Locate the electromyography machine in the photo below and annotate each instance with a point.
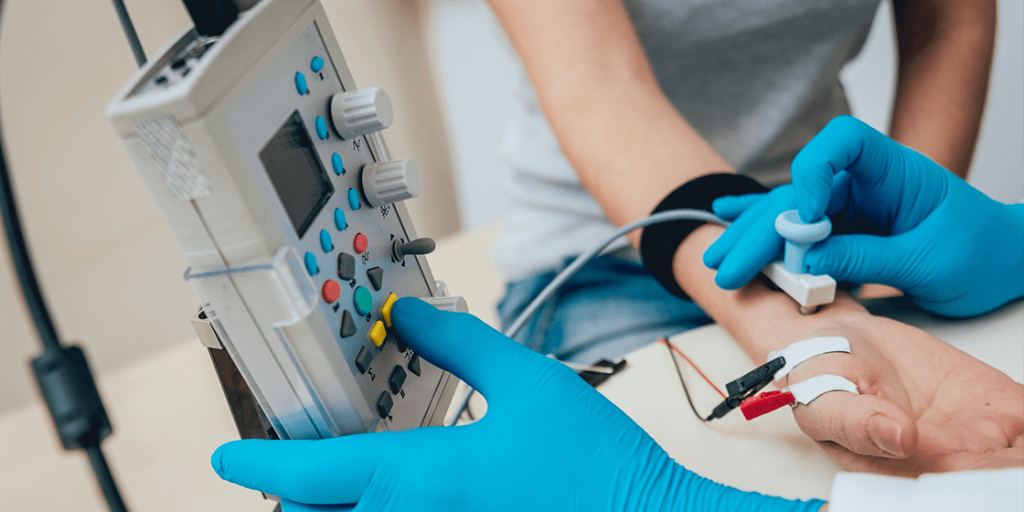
(275, 175)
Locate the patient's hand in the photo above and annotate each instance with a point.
(949, 410)
(925, 406)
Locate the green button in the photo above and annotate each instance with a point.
(363, 301)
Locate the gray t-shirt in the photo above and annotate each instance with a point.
(756, 78)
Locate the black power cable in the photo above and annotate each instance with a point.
(62, 372)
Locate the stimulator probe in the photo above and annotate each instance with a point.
(276, 178)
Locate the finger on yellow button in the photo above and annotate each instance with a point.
(385, 310)
(378, 333)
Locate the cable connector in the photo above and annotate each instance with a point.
(69, 390)
(765, 403)
(747, 386)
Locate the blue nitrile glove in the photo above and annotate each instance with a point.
(549, 442)
(951, 249)
(751, 241)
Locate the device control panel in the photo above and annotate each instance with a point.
(275, 175)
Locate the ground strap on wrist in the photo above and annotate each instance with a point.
(801, 351)
(658, 243)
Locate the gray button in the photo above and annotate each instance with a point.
(414, 365)
(396, 379)
(384, 404)
(376, 277)
(363, 359)
(348, 326)
(346, 266)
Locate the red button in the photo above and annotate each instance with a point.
(331, 290)
(360, 243)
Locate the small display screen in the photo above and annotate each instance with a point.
(296, 173)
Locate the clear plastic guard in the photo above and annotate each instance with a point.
(294, 290)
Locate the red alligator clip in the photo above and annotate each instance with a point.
(765, 403)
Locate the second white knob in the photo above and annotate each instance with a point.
(391, 182)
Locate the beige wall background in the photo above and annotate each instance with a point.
(109, 267)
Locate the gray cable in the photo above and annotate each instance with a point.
(129, 32)
(565, 275)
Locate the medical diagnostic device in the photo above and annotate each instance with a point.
(275, 175)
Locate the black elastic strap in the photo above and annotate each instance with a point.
(658, 243)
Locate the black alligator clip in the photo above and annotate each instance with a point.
(747, 386)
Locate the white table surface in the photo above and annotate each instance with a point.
(169, 415)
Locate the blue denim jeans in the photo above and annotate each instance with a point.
(610, 307)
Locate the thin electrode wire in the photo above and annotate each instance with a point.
(565, 275)
(694, 366)
(682, 381)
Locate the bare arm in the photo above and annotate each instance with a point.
(945, 54)
(600, 94)
(759, 319)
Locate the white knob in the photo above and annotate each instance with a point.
(391, 182)
(363, 111)
(456, 304)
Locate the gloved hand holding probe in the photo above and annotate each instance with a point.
(898, 218)
(549, 441)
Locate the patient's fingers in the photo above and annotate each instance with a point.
(864, 424)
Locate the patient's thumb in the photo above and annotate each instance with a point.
(864, 424)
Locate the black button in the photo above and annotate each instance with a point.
(376, 277)
(160, 80)
(346, 266)
(363, 359)
(177, 63)
(414, 365)
(384, 404)
(348, 326)
(396, 379)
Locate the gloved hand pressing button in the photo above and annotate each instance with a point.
(548, 441)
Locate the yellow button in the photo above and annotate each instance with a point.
(385, 310)
(378, 333)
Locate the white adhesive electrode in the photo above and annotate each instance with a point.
(801, 351)
(807, 391)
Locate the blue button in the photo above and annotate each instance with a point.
(339, 166)
(300, 84)
(339, 220)
(353, 199)
(317, 64)
(321, 128)
(325, 241)
(311, 265)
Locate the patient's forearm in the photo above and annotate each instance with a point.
(758, 318)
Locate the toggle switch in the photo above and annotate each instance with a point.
(420, 246)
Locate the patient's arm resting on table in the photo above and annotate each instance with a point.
(924, 406)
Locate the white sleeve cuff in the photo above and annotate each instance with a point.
(977, 491)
